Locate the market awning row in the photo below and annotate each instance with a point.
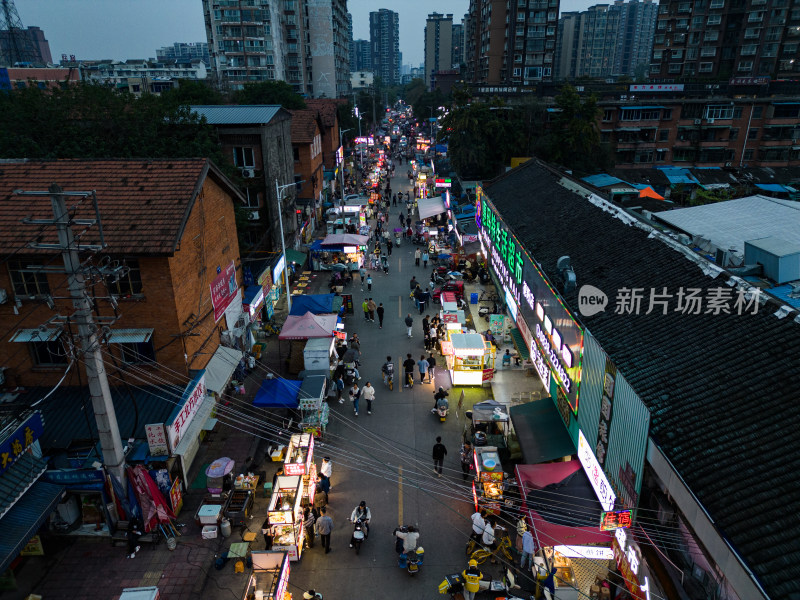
(430, 207)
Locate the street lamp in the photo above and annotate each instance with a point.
(341, 166)
(279, 196)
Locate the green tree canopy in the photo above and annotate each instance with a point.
(269, 92)
(191, 92)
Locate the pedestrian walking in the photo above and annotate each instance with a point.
(409, 324)
(326, 468)
(432, 334)
(324, 528)
(133, 534)
(389, 246)
(417, 256)
(426, 323)
(422, 365)
(394, 200)
(365, 308)
(466, 456)
(308, 525)
(380, 310)
(413, 284)
(362, 273)
(339, 383)
(369, 283)
(432, 364)
(408, 370)
(355, 395)
(439, 452)
(402, 220)
(324, 487)
(526, 560)
(425, 259)
(372, 308)
(368, 393)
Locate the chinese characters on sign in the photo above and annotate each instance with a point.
(628, 558)
(157, 439)
(595, 473)
(18, 442)
(187, 410)
(606, 412)
(610, 521)
(688, 301)
(223, 290)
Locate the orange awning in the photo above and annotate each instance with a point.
(649, 192)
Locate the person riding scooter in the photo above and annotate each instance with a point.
(388, 371)
(442, 405)
(361, 513)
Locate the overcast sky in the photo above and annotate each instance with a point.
(121, 29)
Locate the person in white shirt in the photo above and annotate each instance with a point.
(368, 393)
(326, 468)
(488, 539)
(478, 525)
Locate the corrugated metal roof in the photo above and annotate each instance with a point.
(678, 175)
(35, 335)
(22, 475)
(728, 224)
(602, 180)
(238, 115)
(129, 336)
(23, 521)
(68, 412)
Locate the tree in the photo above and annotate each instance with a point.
(191, 92)
(269, 92)
(413, 90)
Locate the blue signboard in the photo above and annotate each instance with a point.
(18, 442)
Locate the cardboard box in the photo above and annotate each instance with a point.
(210, 532)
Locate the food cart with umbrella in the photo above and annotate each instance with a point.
(218, 475)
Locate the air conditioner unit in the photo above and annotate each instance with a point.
(248, 173)
(252, 215)
(711, 120)
(697, 121)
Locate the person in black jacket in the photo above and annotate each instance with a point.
(408, 369)
(439, 452)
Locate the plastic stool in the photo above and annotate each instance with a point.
(267, 489)
(238, 566)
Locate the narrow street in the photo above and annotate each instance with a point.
(385, 458)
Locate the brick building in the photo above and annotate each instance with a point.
(258, 140)
(329, 117)
(169, 225)
(307, 131)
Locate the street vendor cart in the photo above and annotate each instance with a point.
(300, 462)
(285, 516)
(488, 424)
(469, 358)
(311, 402)
(218, 475)
(269, 579)
(487, 488)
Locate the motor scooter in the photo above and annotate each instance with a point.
(358, 534)
(442, 405)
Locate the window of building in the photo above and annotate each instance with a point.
(661, 155)
(663, 135)
(748, 154)
(711, 35)
(128, 281)
(684, 7)
(752, 134)
(243, 157)
(296, 154)
(138, 353)
(677, 53)
(714, 20)
(706, 67)
(48, 354)
(27, 278)
(733, 134)
(757, 112)
(608, 114)
(698, 22)
(745, 66)
(675, 67)
(691, 53)
(719, 111)
(252, 198)
(769, 50)
(717, 4)
(752, 33)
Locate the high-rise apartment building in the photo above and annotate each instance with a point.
(606, 40)
(458, 44)
(302, 42)
(362, 56)
(384, 37)
(438, 46)
(351, 46)
(511, 42)
(183, 50)
(723, 39)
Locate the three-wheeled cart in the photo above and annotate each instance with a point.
(269, 579)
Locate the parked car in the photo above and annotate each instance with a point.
(456, 287)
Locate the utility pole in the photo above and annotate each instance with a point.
(99, 391)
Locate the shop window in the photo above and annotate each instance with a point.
(27, 278)
(138, 352)
(48, 354)
(128, 282)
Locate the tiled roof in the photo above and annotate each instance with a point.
(143, 203)
(251, 114)
(722, 389)
(327, 109)
(304, 125)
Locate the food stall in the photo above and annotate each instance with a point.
(319, 354)
(339, 249)
(487, 488)
(490, 423)
(311, 402)
(300, 461)
(218, 475)
(269, 579)
(469, 358)
(285, 516)
(240, 507)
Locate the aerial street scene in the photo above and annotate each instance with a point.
(347, 299)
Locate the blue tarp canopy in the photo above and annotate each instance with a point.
(775, 187)
(316, 304)
(250, 293)
(23, 520)
(316, 245)
(277, 393)
(602, 180)
(677, 175)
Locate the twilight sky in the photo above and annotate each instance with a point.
(122, 29)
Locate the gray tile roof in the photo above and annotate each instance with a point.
(722, 389)
(729, 224)
(252, 114)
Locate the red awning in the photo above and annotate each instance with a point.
(530, 477)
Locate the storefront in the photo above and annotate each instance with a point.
(185, 425)
(269, 579)
(469, 358)
(285, 516)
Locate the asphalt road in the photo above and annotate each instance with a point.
(385, 459)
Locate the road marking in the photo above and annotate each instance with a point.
(399, 264)
(400, 306)
(400, 496)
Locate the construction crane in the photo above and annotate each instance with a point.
(16, 45)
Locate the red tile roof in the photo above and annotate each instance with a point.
(143, 204)
(304, 125)
(327, 109)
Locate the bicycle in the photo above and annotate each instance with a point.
(502, 548)
(270, 329)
